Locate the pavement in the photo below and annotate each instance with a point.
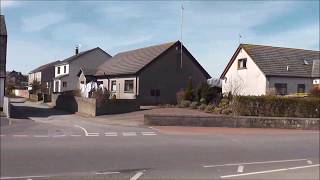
(44, 143)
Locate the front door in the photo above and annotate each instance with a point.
(56, 87)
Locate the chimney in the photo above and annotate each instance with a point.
(77, 50)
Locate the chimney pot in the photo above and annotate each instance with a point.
(77, 50)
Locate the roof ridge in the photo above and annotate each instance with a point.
(243, 44)
(156, 45)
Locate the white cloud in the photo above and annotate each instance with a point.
(39, 22)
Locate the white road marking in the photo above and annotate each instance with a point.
(269, 171)
(85, 131)
(20, 135)
(262, 162)
(137, 176)
(129, 134)
(75, 135)
(309, 162)
(240, 169)
(93, 134)
(106, 173)
(40, 136)
(24, 177)
(61, 135)
(111, 134)
(2, 135)
(148, 133)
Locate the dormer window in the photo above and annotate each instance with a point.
(64, 69)
(242, 63)
(58, 70)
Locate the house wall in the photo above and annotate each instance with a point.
(249, 81)
(120, 82)
(61, 70)
(91, 60)
(292, 83)
(2, 80)
(166, 75)
(34, 77)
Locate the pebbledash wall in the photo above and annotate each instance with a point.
(92, 107)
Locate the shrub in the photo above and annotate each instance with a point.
(226, 111)
(189, 93)
(194, 105)
(202, 107)
(209, 108)
(185, 103)
(315, 92)
(207, 94)
(180, 96)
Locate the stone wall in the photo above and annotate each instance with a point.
(90, 106)
(230, 121)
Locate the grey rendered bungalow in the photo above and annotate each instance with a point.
(152, 74)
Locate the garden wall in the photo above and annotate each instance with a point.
(90, 106)
(230, 121)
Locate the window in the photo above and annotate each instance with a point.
(281, 88)
(64, 69)
(301, 88)
(82, 82)
(58, 70)
(64, 84)
(242, 63)
(128, 86)
(155, 92)
(113, 85)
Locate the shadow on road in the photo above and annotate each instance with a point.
(25, 111)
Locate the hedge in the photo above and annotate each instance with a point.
(275, 106)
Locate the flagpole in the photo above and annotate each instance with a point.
(181, 36)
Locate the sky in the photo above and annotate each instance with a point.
(40, 32)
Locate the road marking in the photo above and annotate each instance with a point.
(309, 162)
(106, 173)
(20, 135)
(262, 162)
(269, 171)
(148, 133)
(75, 135)
(240, 169)
(111, 134)
(137, 175)
(24, 177)
(40, 136)
(93, 134)
(2, 135)
(61, 135)
(85, 131)
(129, 134)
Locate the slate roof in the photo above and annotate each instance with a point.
(316, 68)
(273, 61)
(87, 72)
(3, 29)
(130, 62)
(44, 66)
(74, 57)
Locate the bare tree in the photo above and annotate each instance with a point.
(234, 87)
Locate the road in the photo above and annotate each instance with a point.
(45, 143)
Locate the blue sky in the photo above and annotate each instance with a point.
(43, 31)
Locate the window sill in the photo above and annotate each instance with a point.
(131, 92)
(242, 68)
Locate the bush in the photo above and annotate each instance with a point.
(226, 111)
(207, 94)
(189, 93)
(180, 96)
(202, 107)
(315, 92)
(209, 108)
(194, 105)
(184, 104)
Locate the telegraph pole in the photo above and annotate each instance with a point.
(182, 8)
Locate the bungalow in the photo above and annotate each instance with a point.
(259, 70)
(3, 56)
(66, 71)
(44, 75)
(151, 75)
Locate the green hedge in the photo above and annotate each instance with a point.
(279, 106)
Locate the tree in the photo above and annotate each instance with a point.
(189, 93)
(35, 85)
(234, 87)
